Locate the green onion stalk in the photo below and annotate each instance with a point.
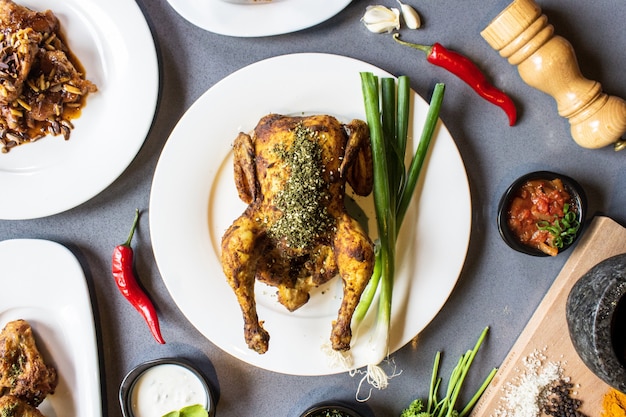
(446, 407)
(384, 206)
(387, 110)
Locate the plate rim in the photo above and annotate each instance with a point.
(279, 16)
(81, 171)
(59, 256)
(160, 257)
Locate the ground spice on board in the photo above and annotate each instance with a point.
(540, 388)
(614, 404)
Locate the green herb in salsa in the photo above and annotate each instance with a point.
(563, 229)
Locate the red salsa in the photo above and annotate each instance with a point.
(541, 214)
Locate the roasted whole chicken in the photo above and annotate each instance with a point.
(295, 233)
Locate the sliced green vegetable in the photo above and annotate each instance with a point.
(563, 230)
(195, 410)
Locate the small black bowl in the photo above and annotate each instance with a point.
(330, 406)
(579, 200)
(131, 379)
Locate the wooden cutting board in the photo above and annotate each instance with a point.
(547, 329)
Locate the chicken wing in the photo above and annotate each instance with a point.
(23, 372)
(11, 406)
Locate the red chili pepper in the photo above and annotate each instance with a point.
(467, 71)
(128, 285)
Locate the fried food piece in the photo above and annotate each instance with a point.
(11, 406)
(41, 84)
(295, 233)
(23, 372)
(22, 31)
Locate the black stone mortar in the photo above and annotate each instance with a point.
(596, 320)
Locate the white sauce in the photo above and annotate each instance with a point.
(164, 388)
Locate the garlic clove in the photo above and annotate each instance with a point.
(380, 19)
(410, 16)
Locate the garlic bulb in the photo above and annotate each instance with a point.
(380, 19)
(410, 16)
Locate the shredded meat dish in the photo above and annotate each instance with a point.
(295, 233)
(42, 86)
(23, 372)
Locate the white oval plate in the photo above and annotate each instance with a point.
(253, 20)
(194, 200)
(114, 44)
(44, 284)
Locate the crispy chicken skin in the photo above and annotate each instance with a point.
(295, 233)
(23, 372)
(11, 406)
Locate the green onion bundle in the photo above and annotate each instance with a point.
(387, 110)
(445, 407)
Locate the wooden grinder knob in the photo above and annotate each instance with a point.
(522, 34)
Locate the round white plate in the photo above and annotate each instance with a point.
(45, 285)
(114, 44)
(194, 200)
(253, 20)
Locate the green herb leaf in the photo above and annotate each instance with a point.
(563, 230)
(414, 409)
(195, 410)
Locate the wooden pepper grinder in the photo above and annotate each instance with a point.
(521, 34)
